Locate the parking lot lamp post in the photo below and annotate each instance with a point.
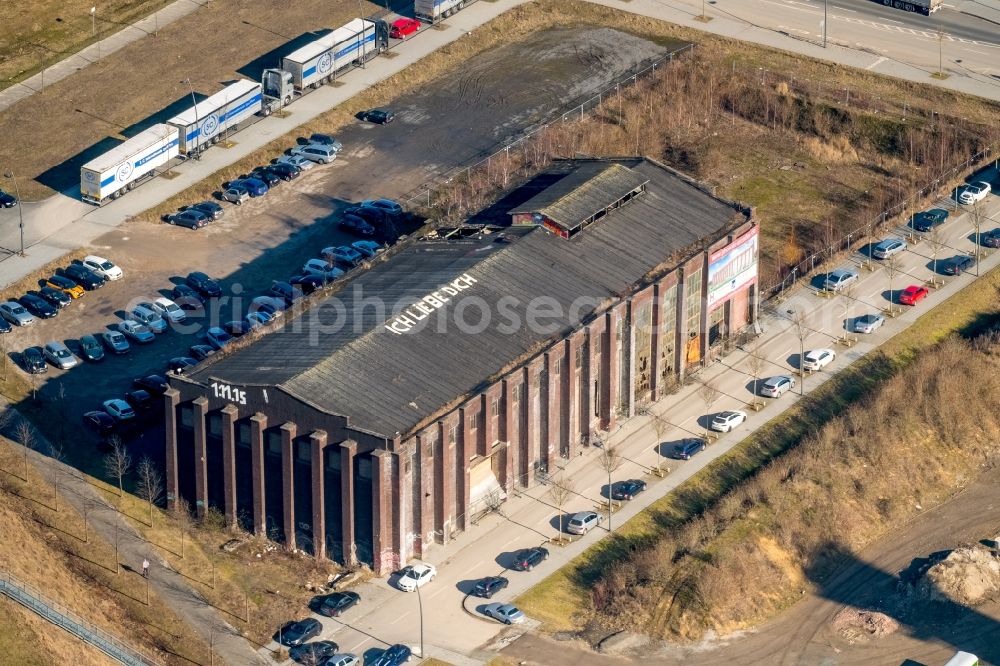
(420, 607)
(20, 211)
(197, 121)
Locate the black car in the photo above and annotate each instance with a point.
(190, 218)
(141, 400)
(527, 558)
(201, 352)
(209, 209)
(953, 266)
(38, 306)
(7, 200)
(377, 116)
(375, 217)
(306, 283)
(314, 653)
(186, 297)
(203, 284)
(990, 238)
(155, 384)
(332, 605)
(489, 586)
(91, 348)
(687, 448)
(353, 224)
(33, 361)
(82, 275)
(285, 291)
(299, 632)
(928, 219)
(264, 174)
(237, 327)
(56, 297)
(323, 139)
(5, 326)
(179, 364)
(394, 655)
(627, 490)
(100, 422)
(284, 171)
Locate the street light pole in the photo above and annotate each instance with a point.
(197, 121)
(20, 210)
(825, 7)
(420, 605)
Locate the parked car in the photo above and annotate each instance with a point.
(888, 248)
(297, 161)
(101, 266)
(90, 348)
(367, 248)
(775, 387)
(257, 319)
(928, 219)
(334, 605)
(82, 275)
(353, 224)
(15, 313)
(65, 285)
(394, 655)
(217, 337)
(817, 359)
(186, 297)
(5, 326)
(727, 420)
(190, 218)
(209, 209)
(141, 401)
(376, 217)
(264, 176)
(203, 284)
(343, 659)
(201, 352)
(316, 152)
(299, 632)
(100, 422)
(990, 238)
(116, 342)
(285, 291)
(403, 27)
(284, 171)
(322, 268)
(627, 490)
(314, 653)
(155, 384)
(506, 613)
(235, 195)
(687, 449)
(271, 305)
(416, 575)
(868, 323)
(583, 522)
(974, 192)
(33, 360)
(388, 205)
(487, 587)
(145, 314)
(306, 283)
(119, 410)
(56, 297)
(377, 116)
(38, 306)
(342, 253)
(167, 309)
(325, 140)
(912, 294)
(840, 279)
(136, 331)
(7, 200)
(179, 364)
(255, 187)
(236, 328)
(527, 559)
(953, 266)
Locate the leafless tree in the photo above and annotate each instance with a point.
(801, 332)
(118, 462)
(25, 436)
(560, 490)
(150, 485)
(936, 243)
(892, 269)
(709, 393)
(755, 363)
(846, 301)
(610, 459)
(977, 223)
(660, 426)
(56, 459)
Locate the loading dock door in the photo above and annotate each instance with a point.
(483, 482)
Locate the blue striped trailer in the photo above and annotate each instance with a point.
(314, 64)
(201, 125)
(123, 167)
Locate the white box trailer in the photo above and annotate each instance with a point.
(433, 11)
(121, 168)
(201, 125)
(314, 63)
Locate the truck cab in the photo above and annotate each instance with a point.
(277, 89)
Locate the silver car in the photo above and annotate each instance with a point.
(59, 355)
(235, 195)
(775, 387)
(506, 613)
(840, 279)
(890, 247)
(116, 342)
(869, 323)
(15, 313)
(167, 309)
(136, 331)
(583, 522)
(145, 314)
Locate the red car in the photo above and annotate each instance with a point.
(912, 294)
(403, 27)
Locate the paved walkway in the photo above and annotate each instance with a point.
(147, 26)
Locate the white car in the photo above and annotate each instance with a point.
(817, 359)
(416, 575)
(167, 309)
(726, 421)
(868, 323)
(103, 267)
(119, 410)
(775, 387)
(342, 253)
(506, 613)
(343, 659)
(974, 192)
(583, 522)
(59, 355)
(295, 161)
(322, 269)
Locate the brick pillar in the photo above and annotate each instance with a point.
(509, 432)
(529, 436)
(462, 449)
(629, 341)
(656, 342)
(444, 483)
(258, 424)
(317, 442)
(170, 399)
(609, 367)
(550, 408)
(401, 492)
(426, 465)
(485, 434)
(200, 405)
(288, 482)
(229, 414)
(566, 400)
(348, 450)
(382, 511)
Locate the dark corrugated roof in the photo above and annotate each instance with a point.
(340, 357)
(584, 191)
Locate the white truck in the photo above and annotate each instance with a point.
(123, 167)
(925, 7)
(433, 11)
(204, 123)
(318, 62)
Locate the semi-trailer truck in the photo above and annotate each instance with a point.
(433, 11)
(318, 62)
(925, 7)
(123, 167)
(201, 125)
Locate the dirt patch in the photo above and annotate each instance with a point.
(969, 575)
(855, 624)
